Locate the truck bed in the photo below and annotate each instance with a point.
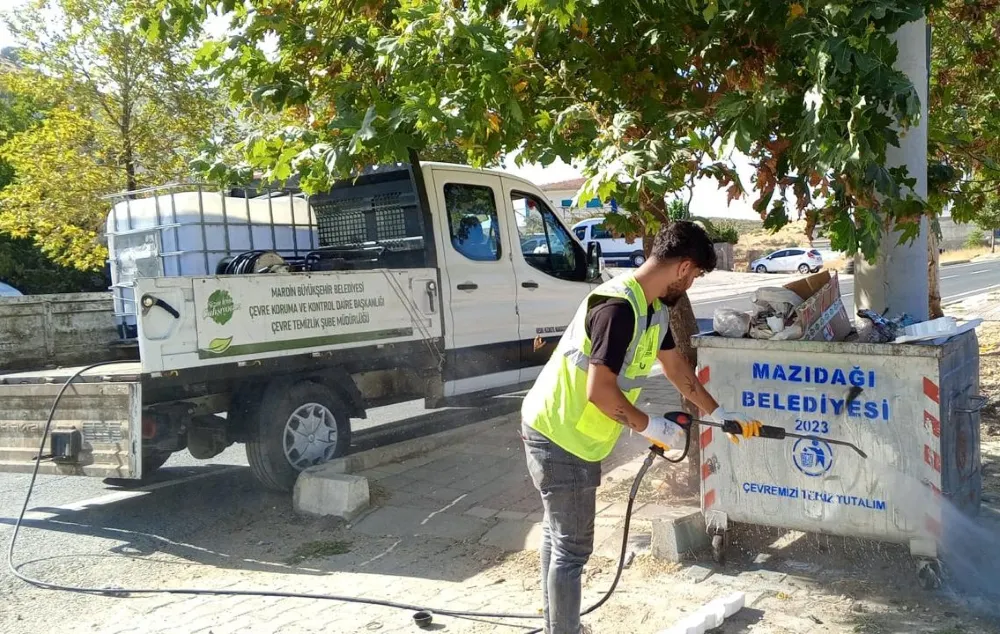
(103, 407)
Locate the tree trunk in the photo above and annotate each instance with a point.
(933, 276)
(683, 480)
(128, 157)
(993, 241)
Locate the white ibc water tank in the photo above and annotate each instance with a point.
(187, 232)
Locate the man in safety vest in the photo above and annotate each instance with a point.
(586, 394)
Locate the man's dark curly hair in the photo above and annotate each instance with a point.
(686, 240)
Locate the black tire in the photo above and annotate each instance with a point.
(804, 268)
(761, 269)
(266, 428)
(637, 259)
(152, 462)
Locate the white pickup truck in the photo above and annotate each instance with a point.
(273, 320)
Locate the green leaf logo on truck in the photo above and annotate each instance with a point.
(220, 307)
(219, 345)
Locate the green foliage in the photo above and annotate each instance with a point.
(964, 130)
(976, 239)
(719, 230)
(678, 210)
(726, 231)
(22, 263)
(109, 110)
(23, 266)
(645, 96)
(987, 218)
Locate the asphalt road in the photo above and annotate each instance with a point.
(69, 497)
(957, 282)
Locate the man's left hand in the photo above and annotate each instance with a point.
(750, 428)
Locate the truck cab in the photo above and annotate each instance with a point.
(515, 278)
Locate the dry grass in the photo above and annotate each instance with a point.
(957, 255)
(318, 550)
(835, 265)
(757, 242)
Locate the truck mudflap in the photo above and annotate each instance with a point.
(96, 430)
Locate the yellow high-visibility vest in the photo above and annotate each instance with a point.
(557, 405)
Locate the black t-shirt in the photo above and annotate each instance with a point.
(610, 326)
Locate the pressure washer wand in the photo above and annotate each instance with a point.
(778, 433)
(766, 431)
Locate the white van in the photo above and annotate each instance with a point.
(614, 250)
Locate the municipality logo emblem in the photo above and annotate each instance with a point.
(221, 307)
(812, 457)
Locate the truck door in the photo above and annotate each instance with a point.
(551, 278)
(480, 311)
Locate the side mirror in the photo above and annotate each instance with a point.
(595, 261)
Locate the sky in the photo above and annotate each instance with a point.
(8, 5)
(708, 199)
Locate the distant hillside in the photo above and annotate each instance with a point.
(745, 226)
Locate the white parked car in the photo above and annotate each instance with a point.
(803, 260)
(612, 249)
(7, 290)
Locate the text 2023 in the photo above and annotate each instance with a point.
(812, 426)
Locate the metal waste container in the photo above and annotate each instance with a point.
(914, 409)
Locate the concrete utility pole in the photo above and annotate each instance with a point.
(898, 279)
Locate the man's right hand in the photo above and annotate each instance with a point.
(750, 428)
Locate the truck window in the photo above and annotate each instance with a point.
(581, 233)
(557, 254)
(473, 221)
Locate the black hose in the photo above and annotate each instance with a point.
(124, 592)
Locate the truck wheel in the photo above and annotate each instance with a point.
(152, 462)
(637, 259)
(296, 426)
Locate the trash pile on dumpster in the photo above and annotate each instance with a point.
(811, 309)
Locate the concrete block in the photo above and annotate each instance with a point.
(679, 534)
(697, 574)
(320, 492)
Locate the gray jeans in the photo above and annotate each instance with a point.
(569, 496)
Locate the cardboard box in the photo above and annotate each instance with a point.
(822, 314)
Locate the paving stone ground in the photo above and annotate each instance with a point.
(458, 528)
